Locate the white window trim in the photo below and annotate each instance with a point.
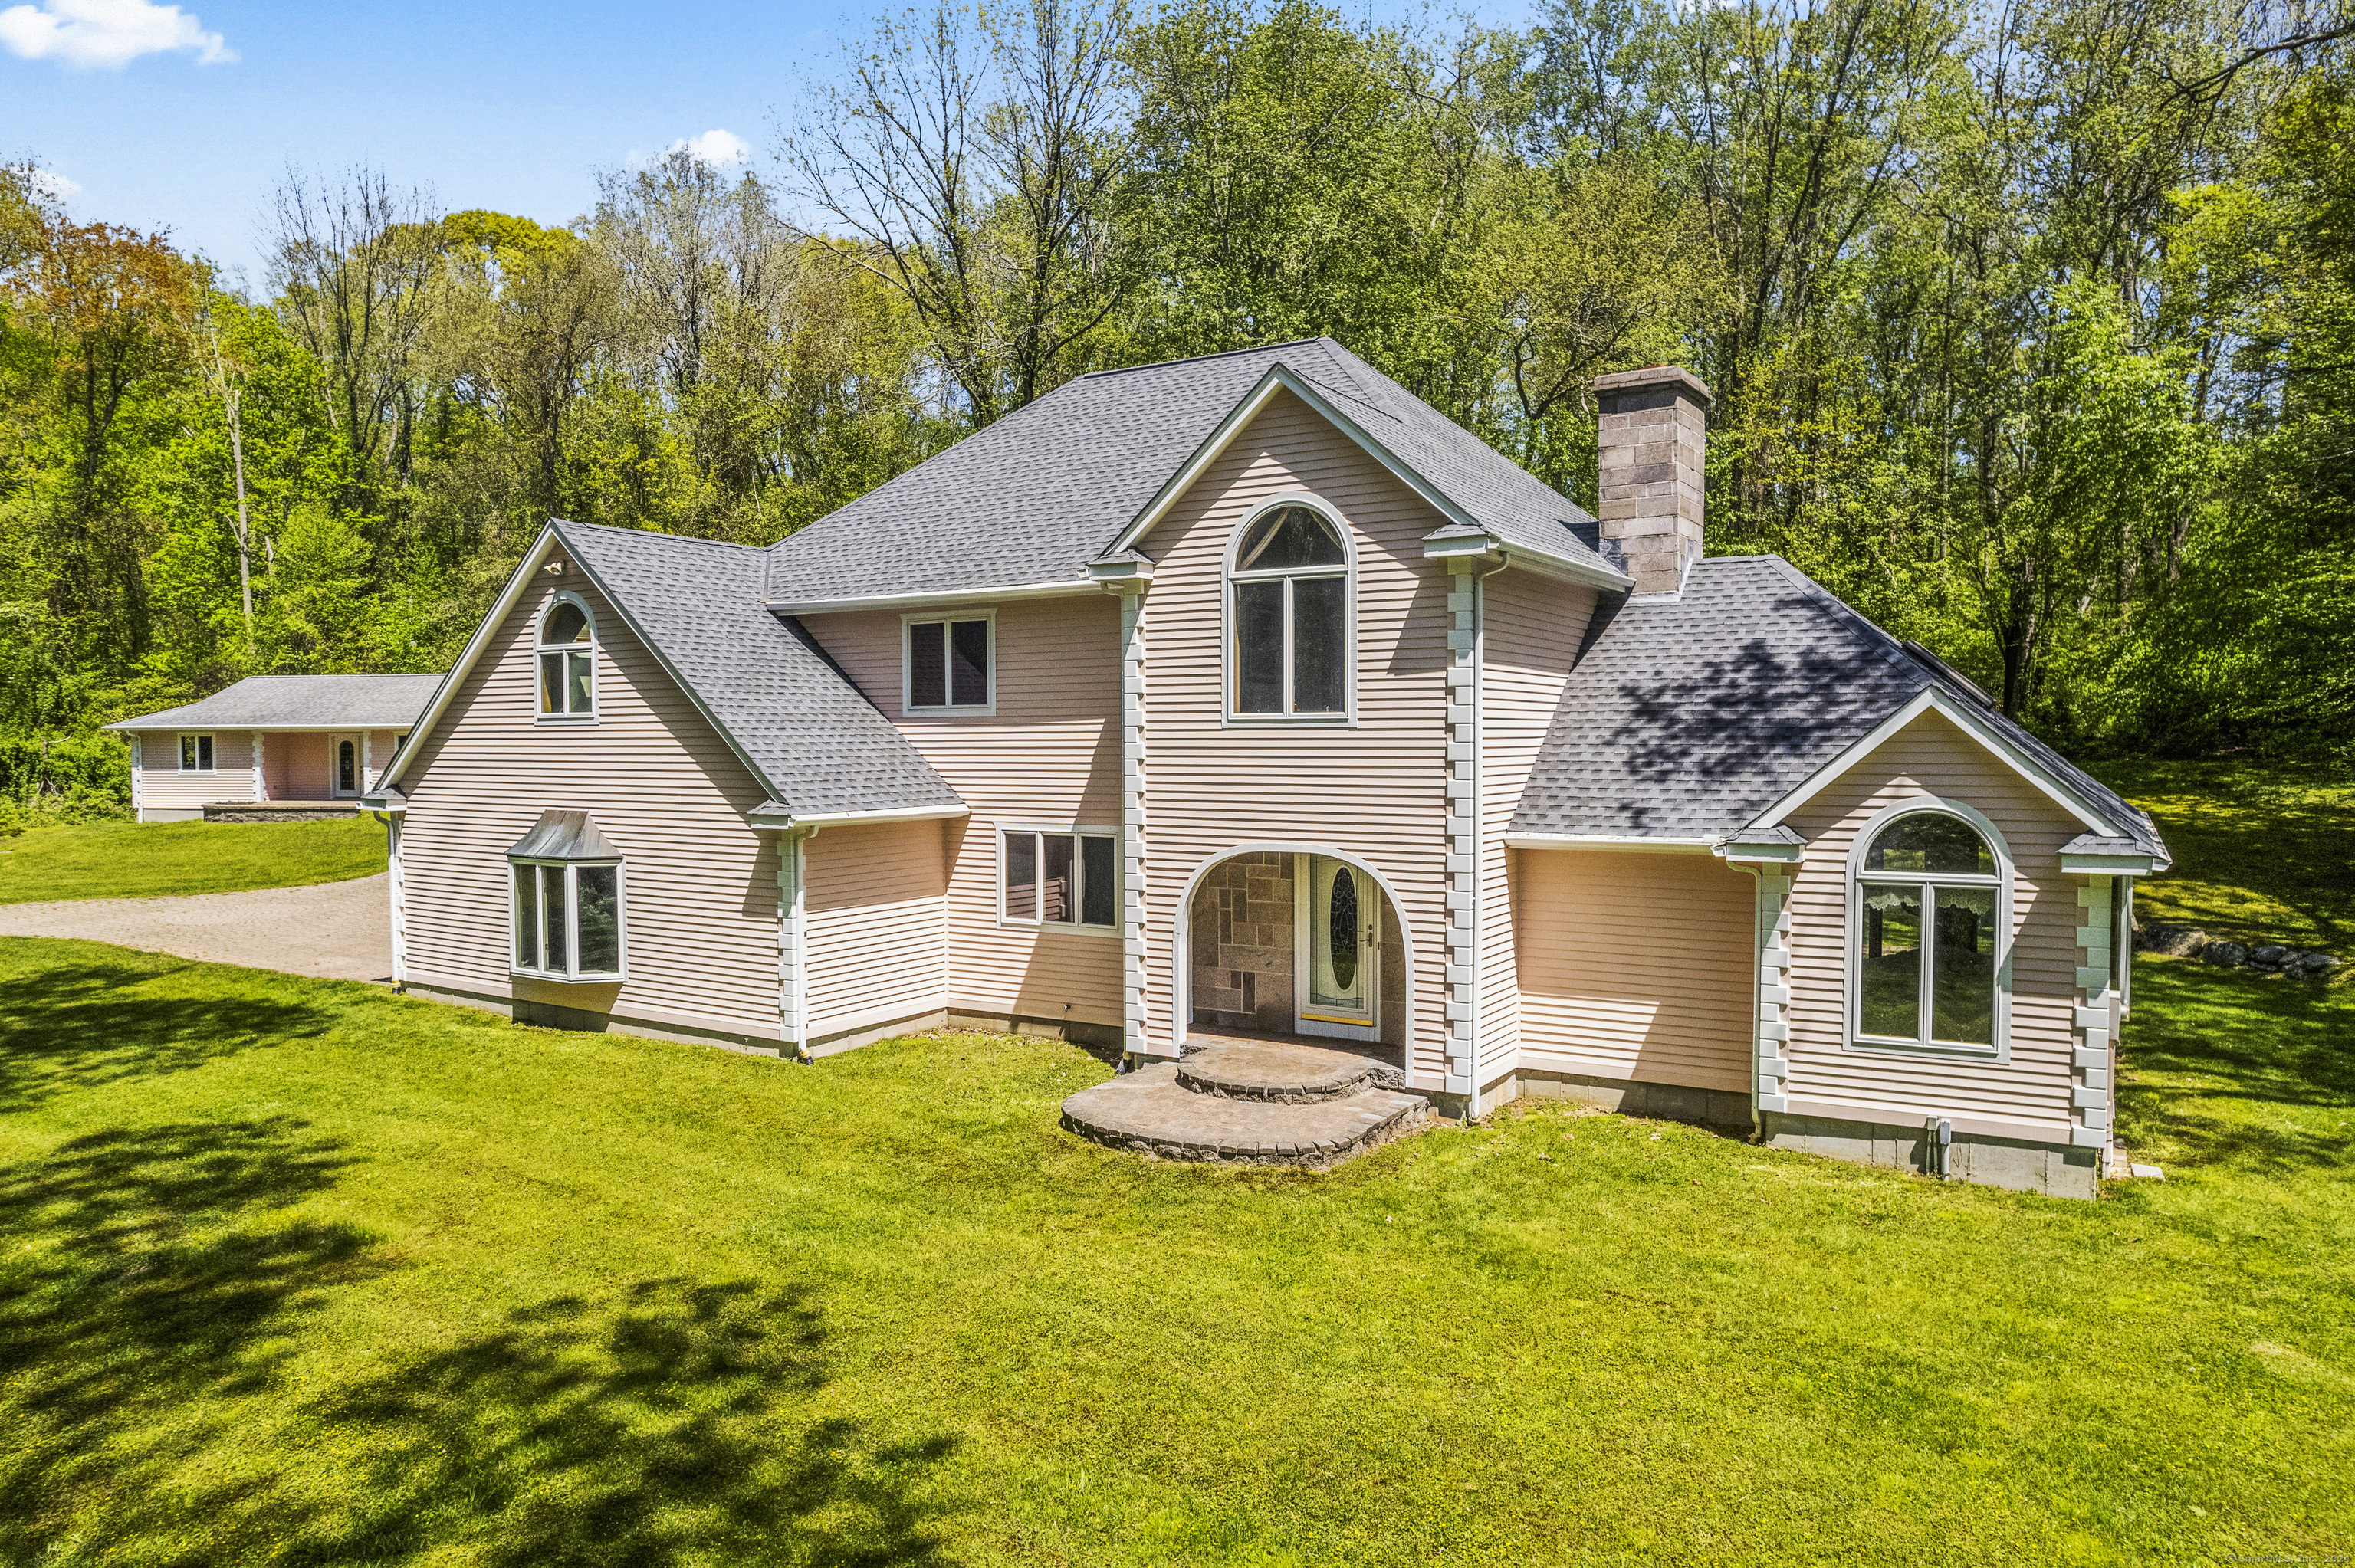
(1228, 577)
(539, 645)
(179, 750)
(906, 661)
(1059, 928)
(2006, 916)
(571, 974)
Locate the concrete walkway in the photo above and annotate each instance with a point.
(335, 930)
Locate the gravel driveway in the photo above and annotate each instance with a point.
(335, 930)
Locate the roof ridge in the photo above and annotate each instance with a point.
(561, 524)
(1194, 359)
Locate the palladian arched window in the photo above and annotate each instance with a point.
(1288, 617)
(1933, 918)
(568, 662)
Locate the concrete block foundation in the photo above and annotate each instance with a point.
(2017, 1165)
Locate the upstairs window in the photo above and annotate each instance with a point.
(947, 664)
(1288, 617)
(195, 754)
(1066, 880)
(568, 662)
(1932, 917)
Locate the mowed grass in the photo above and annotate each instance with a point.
(2262, 853)
(304, 1273)
(147, 860)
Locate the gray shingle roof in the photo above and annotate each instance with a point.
(1036, 496)
(817, 744)
(301, 702)
(1688, 716)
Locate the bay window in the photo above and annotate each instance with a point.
(566, 901)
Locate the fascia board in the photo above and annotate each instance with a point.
(346, 727)
(685, 687)
(448, 689)
(1280, 376)
(943, 599)
(763, 819)
(1927, 699)
(1561, 566)
(1604, 841)
(2108, 864)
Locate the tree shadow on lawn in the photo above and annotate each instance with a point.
(670, 1428)
(69, 1027)
(2281, 1045)
(153, 1300)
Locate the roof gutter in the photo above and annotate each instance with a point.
(940, 599)
(774, 816)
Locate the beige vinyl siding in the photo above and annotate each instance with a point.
(1933, 756)
(874, 905)
(1531, 630)
(1635, 965)
(1377, 790)
(1047, 757)
(164, 787)
(701, 899)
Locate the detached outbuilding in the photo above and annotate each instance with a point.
(272, 748)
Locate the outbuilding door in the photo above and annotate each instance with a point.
(345, 765)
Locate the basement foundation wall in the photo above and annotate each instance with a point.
(2017, 1165)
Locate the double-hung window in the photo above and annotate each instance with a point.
(195, 754)
(948, 664)
(1932, 911)
(566, 901)
(568, 662)
(1067, 880)
(1288, 618)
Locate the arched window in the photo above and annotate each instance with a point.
(1288, 617)
(568, 662)
(1933, 921)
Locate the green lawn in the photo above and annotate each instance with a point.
(301, 1271)
(2261, 853)
(144, 860)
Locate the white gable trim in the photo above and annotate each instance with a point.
(509, 596)
(1931, 699)
(1240, 418)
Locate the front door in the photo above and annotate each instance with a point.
(343, 765)
(1336, 940)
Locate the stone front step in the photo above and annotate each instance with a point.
(1281, 1072)
(1151, 1112)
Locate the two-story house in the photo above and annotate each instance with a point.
(1249, 696)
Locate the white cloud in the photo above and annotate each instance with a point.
(108, 32)
(715, 147)
(53, 185)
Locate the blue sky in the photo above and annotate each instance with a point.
(183, 117)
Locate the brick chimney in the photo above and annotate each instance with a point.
(1655, 431)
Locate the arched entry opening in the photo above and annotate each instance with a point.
(1296, 942)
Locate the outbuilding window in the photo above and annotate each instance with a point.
(1288, 617)
(1932, 928)
(566, 901)
(195, 754)
(568, 661)
(948, 664)
(1066, 880)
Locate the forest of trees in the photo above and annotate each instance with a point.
(2032, 325)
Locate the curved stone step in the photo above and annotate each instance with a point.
(1282, 1072)
(1149, 1112)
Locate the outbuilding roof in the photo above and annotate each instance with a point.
(301, 702)
(1032, 499)
(1691, 716)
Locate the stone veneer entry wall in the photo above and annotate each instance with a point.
(1242, 943)
(1241, 949)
